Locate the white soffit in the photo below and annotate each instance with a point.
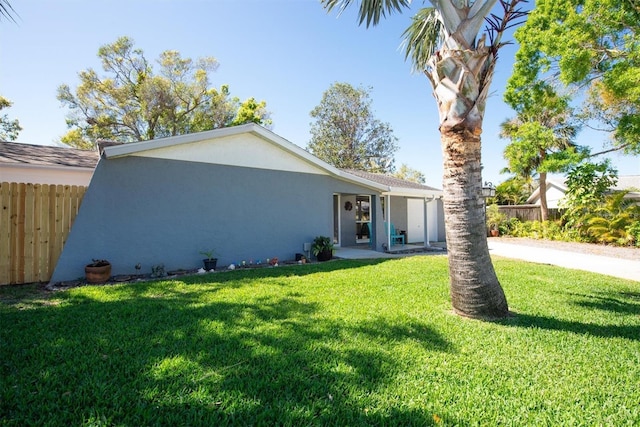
(243, 150)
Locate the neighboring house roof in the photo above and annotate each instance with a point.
(551, 183)
(630, 183)
(14, 153)
(42, 164)
(256, 155)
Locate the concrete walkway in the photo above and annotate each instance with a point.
(622, 268)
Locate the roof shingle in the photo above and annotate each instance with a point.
(17, 153)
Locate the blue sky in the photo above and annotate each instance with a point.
(286, 52)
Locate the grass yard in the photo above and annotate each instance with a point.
(341, 343)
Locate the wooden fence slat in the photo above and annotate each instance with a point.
(39, 272)
(45, 235)
(35, 220)
(18, 265)
(28, 258)
(5, 232)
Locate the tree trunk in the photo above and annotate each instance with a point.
(460, 80)
(544, 209)
(475, 290)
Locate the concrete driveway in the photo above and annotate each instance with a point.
(622, 268)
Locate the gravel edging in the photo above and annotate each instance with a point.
(583, 248)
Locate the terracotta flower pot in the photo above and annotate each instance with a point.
(97, 272)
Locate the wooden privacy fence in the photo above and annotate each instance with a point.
(528, 212)
(34, 224)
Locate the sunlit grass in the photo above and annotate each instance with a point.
(341, 343)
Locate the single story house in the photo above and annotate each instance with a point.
(556, 189)
(243, 191)
(41, 164)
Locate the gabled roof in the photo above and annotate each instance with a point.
(265, 135)
(170, 147)
(13, 153)
(628, 182)
(535, 196)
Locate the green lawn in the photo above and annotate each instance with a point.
(340, 343)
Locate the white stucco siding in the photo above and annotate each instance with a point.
(36, 174)
(244, 150)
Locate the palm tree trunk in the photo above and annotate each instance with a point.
(544, 209)
(474, 286)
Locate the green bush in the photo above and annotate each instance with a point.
(550, 230)
(634, 232)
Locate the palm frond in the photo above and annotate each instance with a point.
(370, 11)
(422, 38)
(6, 10)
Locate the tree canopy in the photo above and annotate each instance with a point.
(134, 102)
(9, 129)
(590, 46)
(347, 135)
(410, 174)
(542, 136)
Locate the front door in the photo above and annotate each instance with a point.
(415, 220)
(363, 219)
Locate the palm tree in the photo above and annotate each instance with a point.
(542, 138)
(443, 42)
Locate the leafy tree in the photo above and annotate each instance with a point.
(587, 186)
(409, 174)
(592, 45)
(347, 135)
(131, 102)
(9, 129)
(541, 135)
(443, 42)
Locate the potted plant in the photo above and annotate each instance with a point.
(322, 248)
(495, 219)
(98, 271)
(209, 262)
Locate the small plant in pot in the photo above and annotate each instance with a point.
(98, 271)
(322, 248)
(210, 261)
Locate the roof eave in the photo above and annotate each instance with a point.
(413, 192)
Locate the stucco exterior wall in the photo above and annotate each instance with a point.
(152, 211)
(399, 212)
(45, 175)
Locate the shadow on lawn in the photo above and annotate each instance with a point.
(171, 360)
(631, 332)
(615, 302)
(622, 303)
